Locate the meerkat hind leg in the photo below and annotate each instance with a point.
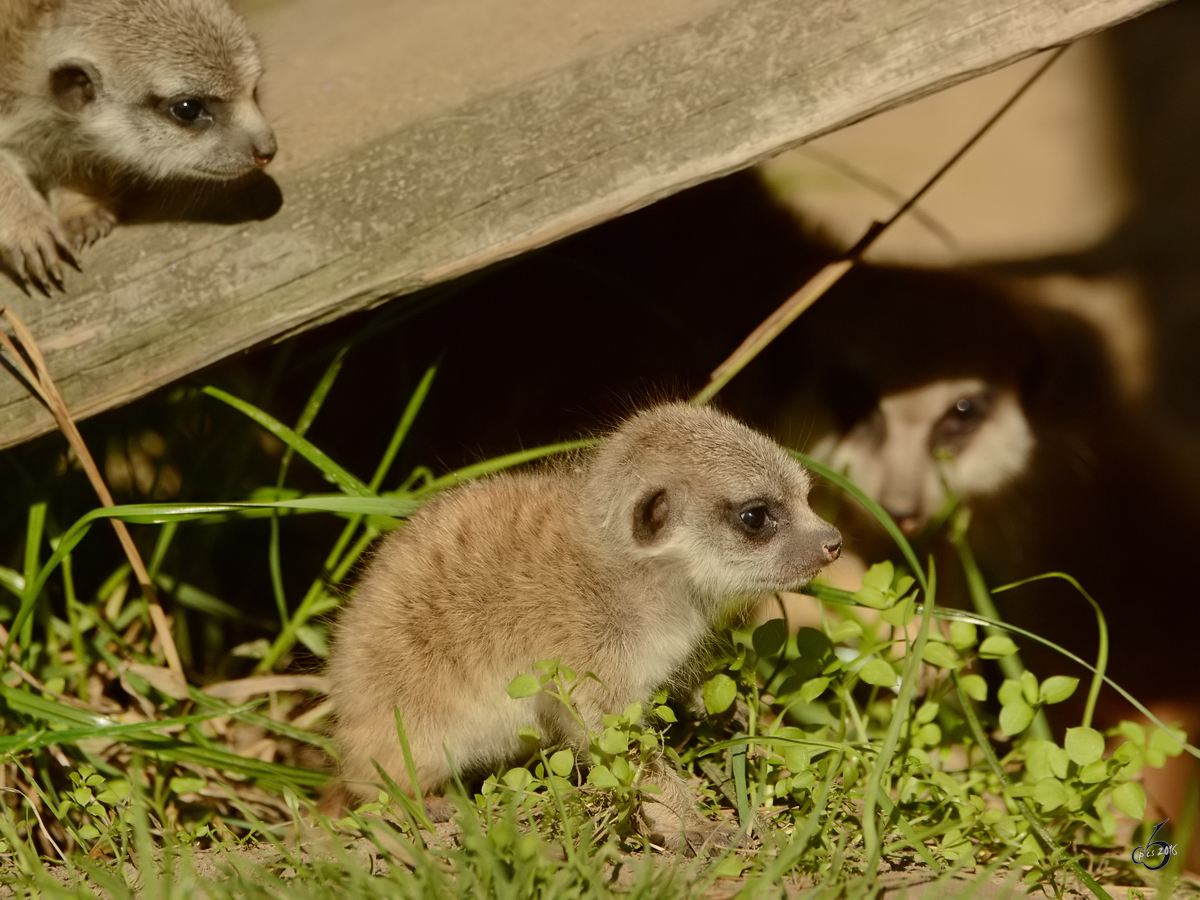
(669, 815)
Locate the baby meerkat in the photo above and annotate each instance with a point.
(619, 563)
(97, 95)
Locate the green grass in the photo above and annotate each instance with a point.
(870, 740)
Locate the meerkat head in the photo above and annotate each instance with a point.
(911, 447)
(710, 500)
(160, 88)
(917, 389)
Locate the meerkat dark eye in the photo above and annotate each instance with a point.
(188, 111)
(755, 521)
(961, 421)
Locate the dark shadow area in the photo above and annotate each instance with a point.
(1156, 79)
(1158, 87)
(255, 197)
(569, 338)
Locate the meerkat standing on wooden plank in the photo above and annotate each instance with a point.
(96, 95)
(619, 563)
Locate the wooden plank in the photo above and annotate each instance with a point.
(510, 153)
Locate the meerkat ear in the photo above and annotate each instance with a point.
(650, 516)
(75, 83)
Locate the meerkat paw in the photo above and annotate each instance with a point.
(84, 219)
(687, 832)
(439, 808)
(670, 819)
(33, 250)
(334, 801)
(83, 231)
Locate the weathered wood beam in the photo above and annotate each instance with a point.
(498, 173)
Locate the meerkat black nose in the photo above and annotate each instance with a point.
(833, 548)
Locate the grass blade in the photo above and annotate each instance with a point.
(327, 467)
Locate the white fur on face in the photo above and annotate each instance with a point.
(905, 457)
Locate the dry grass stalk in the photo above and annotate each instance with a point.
(26, 358)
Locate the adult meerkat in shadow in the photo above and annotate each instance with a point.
(947, 385)
(99, 95)
(941, 384)
(617, 563)
(926, 390)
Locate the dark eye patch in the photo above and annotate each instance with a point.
(962, 420)
(850, 397)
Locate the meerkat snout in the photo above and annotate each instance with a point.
(619, 563)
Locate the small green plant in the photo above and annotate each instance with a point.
(99, 806)
(873, 735)
(619, 753)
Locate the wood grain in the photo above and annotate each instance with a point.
(612, 124)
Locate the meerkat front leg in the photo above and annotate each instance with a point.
(32, 242)
(83, 219)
